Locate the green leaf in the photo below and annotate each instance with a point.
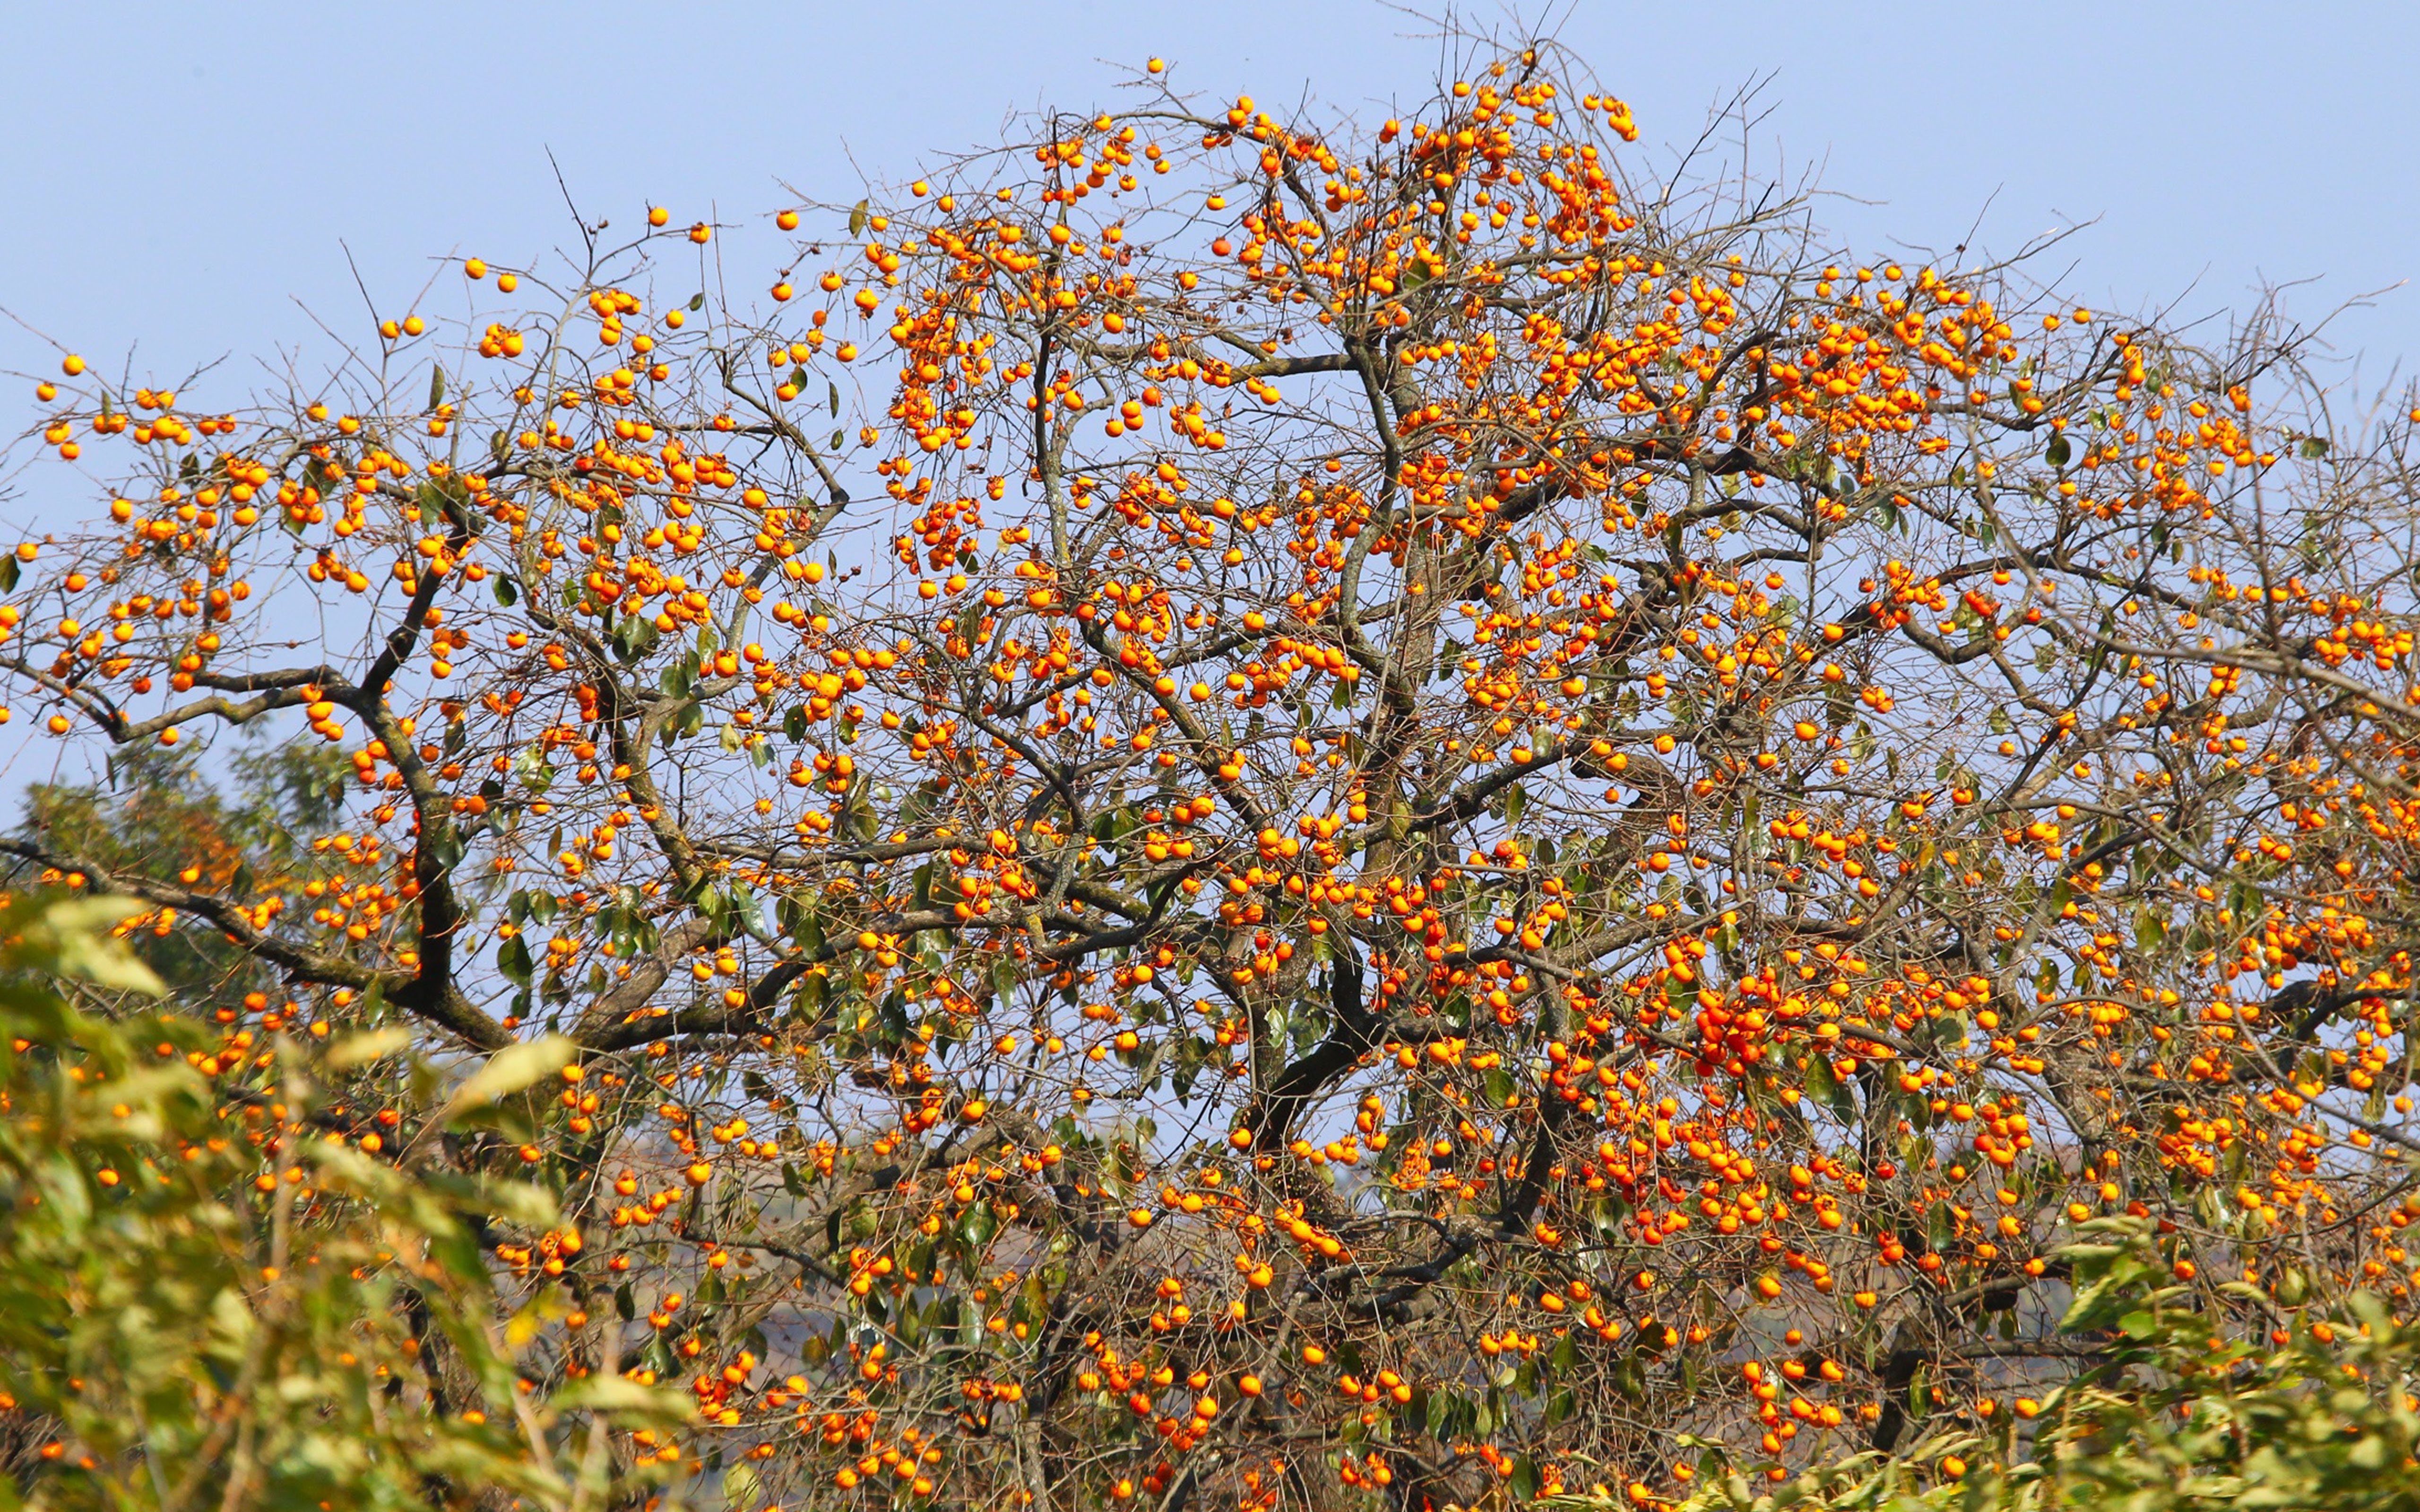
(634, 637)
(605, 1392)
(1827, 1088)
(1499, 1086)
(749, 913)
(513, 960)
(2090, 1308)
(978, 1226)
(75, 935)
(511, 1069)
(740, 1486)
(2059, 451)
(357, 1050)
(444, 844)
(436, 385)
(697, 301)
(857, 215)
(531, 766)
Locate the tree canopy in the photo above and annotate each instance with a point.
(1249, 810)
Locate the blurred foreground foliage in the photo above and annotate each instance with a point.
(179, 1332)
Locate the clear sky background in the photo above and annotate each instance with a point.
(180, 176)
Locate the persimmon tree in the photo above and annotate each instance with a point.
(1239, 808)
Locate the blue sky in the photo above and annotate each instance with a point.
(185, 180)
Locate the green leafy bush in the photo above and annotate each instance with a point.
(181, 1329)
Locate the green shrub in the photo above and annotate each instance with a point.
(173, 1336)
